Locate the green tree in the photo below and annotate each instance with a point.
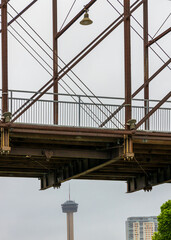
(164, 223)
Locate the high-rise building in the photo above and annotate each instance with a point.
(69, 207)
(140, 228)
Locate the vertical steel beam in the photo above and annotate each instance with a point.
(55, 62)
(4, 57)
(127, 47)
(146, 61)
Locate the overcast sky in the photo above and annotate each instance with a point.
(26, 212)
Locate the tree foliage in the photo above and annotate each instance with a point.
(164, 223)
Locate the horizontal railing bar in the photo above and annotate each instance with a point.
(85, 103)
(87, 96)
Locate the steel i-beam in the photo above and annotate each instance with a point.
(55, 63)
(127, 47)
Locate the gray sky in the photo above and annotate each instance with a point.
(27, 213)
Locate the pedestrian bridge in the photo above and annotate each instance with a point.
(90, 140)
(87, 111)
(57, 137)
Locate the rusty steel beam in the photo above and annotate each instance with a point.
(76, 153)
(146, 61)
(3, 3)
(153, 110)
(151, 78)
(137, 91)
(34, 95)
(55, 63)
(4, 57)
(90, 44)
(92, 169)
(77, 169)
(66, 66)
(143, 182)
(75, 18)
(127, 48)
(19, 14)
(158, 37)
(75, 63)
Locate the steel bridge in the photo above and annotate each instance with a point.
(56, 137)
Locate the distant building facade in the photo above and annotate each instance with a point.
(140, 228)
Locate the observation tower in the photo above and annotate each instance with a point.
(69, 207)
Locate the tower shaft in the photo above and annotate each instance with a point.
(70, 226)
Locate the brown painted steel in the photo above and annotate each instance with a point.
(100, 35)
(146, 61)
(32, 97)
(55, 63)
(136, 92)
(151, 78)
(127, 47)
(159, 37)
(153, 110)
(4, 57)
(75, 63)
(23, 11)
(38, 151)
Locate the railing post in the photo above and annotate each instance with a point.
(79, 111)
(147, 122)
(11, 96)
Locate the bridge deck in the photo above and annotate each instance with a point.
(55, 154)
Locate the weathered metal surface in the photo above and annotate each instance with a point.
(127, 48)
(4, 57)
(146, 60)
(159, 36)
(57, 154)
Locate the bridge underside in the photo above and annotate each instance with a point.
(56, 154)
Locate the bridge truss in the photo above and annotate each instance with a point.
(57, 137)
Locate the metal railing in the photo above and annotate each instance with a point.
(83, 111)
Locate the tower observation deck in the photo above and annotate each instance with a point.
(69, 207)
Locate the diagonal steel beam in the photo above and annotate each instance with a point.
(101, 34)
(75, 18)
(78, 175)
(136, 92)
(67, 65)
(153, 110)
(19, 14)
(158, 37)
(151, 78)
(77, 169)
(76, 62)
